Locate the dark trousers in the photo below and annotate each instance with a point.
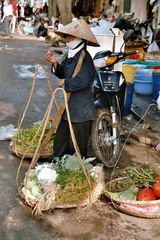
(63, 142)
(7, 22)
(42, 32)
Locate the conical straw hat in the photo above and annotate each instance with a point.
(79, 29)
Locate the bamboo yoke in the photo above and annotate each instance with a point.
(54, 122)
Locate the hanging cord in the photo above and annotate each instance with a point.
(41, 126)
(20, 120)
(34, 159)
(152, 104)
(48, 79)
(49, 83)
(46, 118)
(26, 105)
(60, 110)
(75, 142)
(22, 115)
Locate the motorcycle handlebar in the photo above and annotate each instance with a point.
(131, 53)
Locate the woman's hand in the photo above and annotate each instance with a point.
(60, 83)
(51, 58)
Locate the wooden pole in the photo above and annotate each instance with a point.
(97, 8)
(52, 9)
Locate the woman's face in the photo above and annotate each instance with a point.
(69, 38)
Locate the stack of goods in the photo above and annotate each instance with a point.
(140, 41)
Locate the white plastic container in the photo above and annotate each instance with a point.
(105, 41)
(108, 41)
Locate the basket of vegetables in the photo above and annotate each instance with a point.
(137, 192)
(61, 184)
(25, 142)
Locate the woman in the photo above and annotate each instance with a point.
(15, 15)
(81, 103)
(7, 17)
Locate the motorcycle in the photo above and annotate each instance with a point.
(145, 29)
(109, 93)
(142, 29)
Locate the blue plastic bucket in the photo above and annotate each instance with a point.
(143, 82)
(128, 99)
(143, 87)
(143, 74)
(156, 84)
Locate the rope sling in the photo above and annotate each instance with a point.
(54, 123)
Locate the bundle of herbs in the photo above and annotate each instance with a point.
(28, 138)
(74, 187)
(73, 183)
(141, 175)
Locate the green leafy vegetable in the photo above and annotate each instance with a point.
(129, 194)
(74, 186)
(72, 163)
(141, 175)
(24, 137)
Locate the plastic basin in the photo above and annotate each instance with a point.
(143, 87)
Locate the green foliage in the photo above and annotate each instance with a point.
(141, 175)
(24, 137)
(74, 187)
(129, 194)
(71, 182)
(72, 163)
(73, 176)
(56, 41)
(32, 175)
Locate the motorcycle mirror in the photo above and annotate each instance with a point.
(128, 35)
(102, 54)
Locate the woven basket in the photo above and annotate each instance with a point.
(129, 72)
(57, 205)
(19, 151)
(145, 209)
(95, 194)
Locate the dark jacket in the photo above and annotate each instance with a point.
(81, 103)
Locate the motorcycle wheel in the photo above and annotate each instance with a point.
(105, 150)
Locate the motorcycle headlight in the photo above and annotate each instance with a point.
(100, 62)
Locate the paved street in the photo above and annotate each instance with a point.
(19, 59)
